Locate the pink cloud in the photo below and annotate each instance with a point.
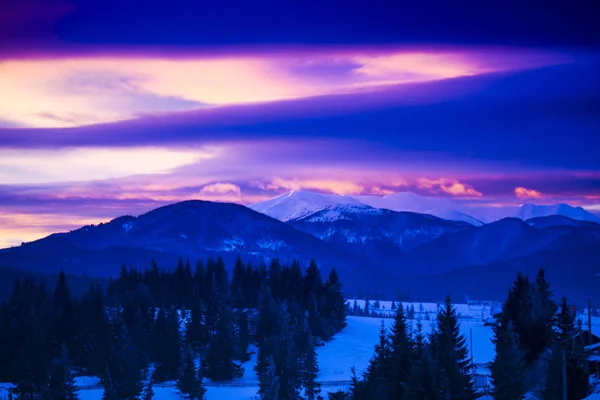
(524, 193)
(97, 88)
(221, 191)
(448, 186)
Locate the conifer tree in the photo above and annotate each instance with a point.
(237, 284)
(64, 322)
(335, 304)
(268, 381)
(367, 310)
(313, 283)
(377, 376)
(196, 335)
(508, 367)
(61, 384)
(148, 393)
(568, 344)
(422, 383)
(189, 382)
(221, 350)
(310, 369)
(401, 345)
(122, 378)
(166, 345)
(393, 305)
(452, 355)
(355, 308)
(243, 336)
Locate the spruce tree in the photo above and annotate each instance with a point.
(61, 384)
(221, 350)
(243, 336)
(189, 382)
(401, 344)
(568, 344)
(64, 321)
(196, 334)
(335, 303)
(508, 367)
(166, 345)
(122, 378)
(268, 381)
(452, 355)
(378, 375)
(237, 285)
(422, 383)
(310, 369)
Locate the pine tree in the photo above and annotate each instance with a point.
(508, 367)
(401, 344)
(452, 355)
(378, 376)
(334, 303)
(310, 369)
(393, 305)
(422, 383)
(64, 323)
(237, 284)
(243, 336)
(61, 383)
(568, 344)
(221, 350)
(313, 283)
(268, 381)
(189, 382)
(196, 335)
(367, 310)
(123, 374)
(166, 345)
(148, 393)
(355, 308)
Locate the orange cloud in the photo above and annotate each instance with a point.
(449, 186)
(327, 185)
(524, 193)
(81, 90)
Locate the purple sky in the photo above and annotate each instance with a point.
(95, 123)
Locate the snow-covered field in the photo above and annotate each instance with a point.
(352, 347)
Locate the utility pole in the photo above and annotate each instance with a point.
(590, 321)
(564, 373)
(471, 340)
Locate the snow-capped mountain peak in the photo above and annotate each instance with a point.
(302, 203)
(299, 203)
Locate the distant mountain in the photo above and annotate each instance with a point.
(191, 230)
(376, 233)
(299, 203)
(573, 273)
(529, 211)
(502, 240)
(412, 202)
(373, 249)
(559, 220)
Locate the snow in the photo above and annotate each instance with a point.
(270, 244)
(352, 347)
(127, 226)
(302, 203)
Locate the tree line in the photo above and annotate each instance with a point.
(182, 325)
(537, 342)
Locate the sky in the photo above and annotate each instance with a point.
(110, 108)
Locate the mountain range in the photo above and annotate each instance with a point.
(374, 249)
(299, 203)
